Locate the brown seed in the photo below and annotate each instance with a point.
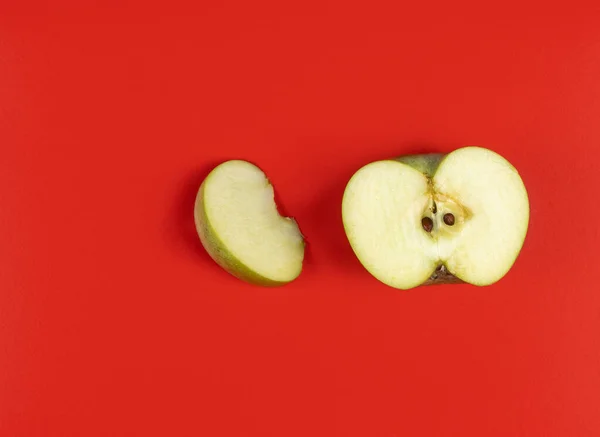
(427, 224)
(449, 219)
(434, 208)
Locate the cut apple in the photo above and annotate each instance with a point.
(241, 229)
(433, 219)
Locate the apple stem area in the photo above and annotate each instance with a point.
(442, 276)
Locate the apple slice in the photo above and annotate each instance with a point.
(434, 219)
(241, 229)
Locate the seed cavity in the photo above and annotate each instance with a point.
(427, 224)
(449, 219)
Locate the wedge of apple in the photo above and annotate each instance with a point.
(434, 219)
(241, 229)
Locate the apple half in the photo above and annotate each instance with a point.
(241, 229)
(435, 219)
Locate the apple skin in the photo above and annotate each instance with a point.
(426, 163)
(217, 251)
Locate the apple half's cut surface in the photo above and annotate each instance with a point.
(433, 218)
(241, 229)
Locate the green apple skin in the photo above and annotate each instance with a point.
(216, 249)
(426, 163)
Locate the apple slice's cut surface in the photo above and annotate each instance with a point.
(382, 211)
(240, 227)
(497, 214)
(465, 213)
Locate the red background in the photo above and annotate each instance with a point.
(114, 321)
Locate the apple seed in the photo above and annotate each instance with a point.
(427, 224)
(449, 219)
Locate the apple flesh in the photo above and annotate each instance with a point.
(433, 218)
(240, 227)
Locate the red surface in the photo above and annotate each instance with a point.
(114, 321)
